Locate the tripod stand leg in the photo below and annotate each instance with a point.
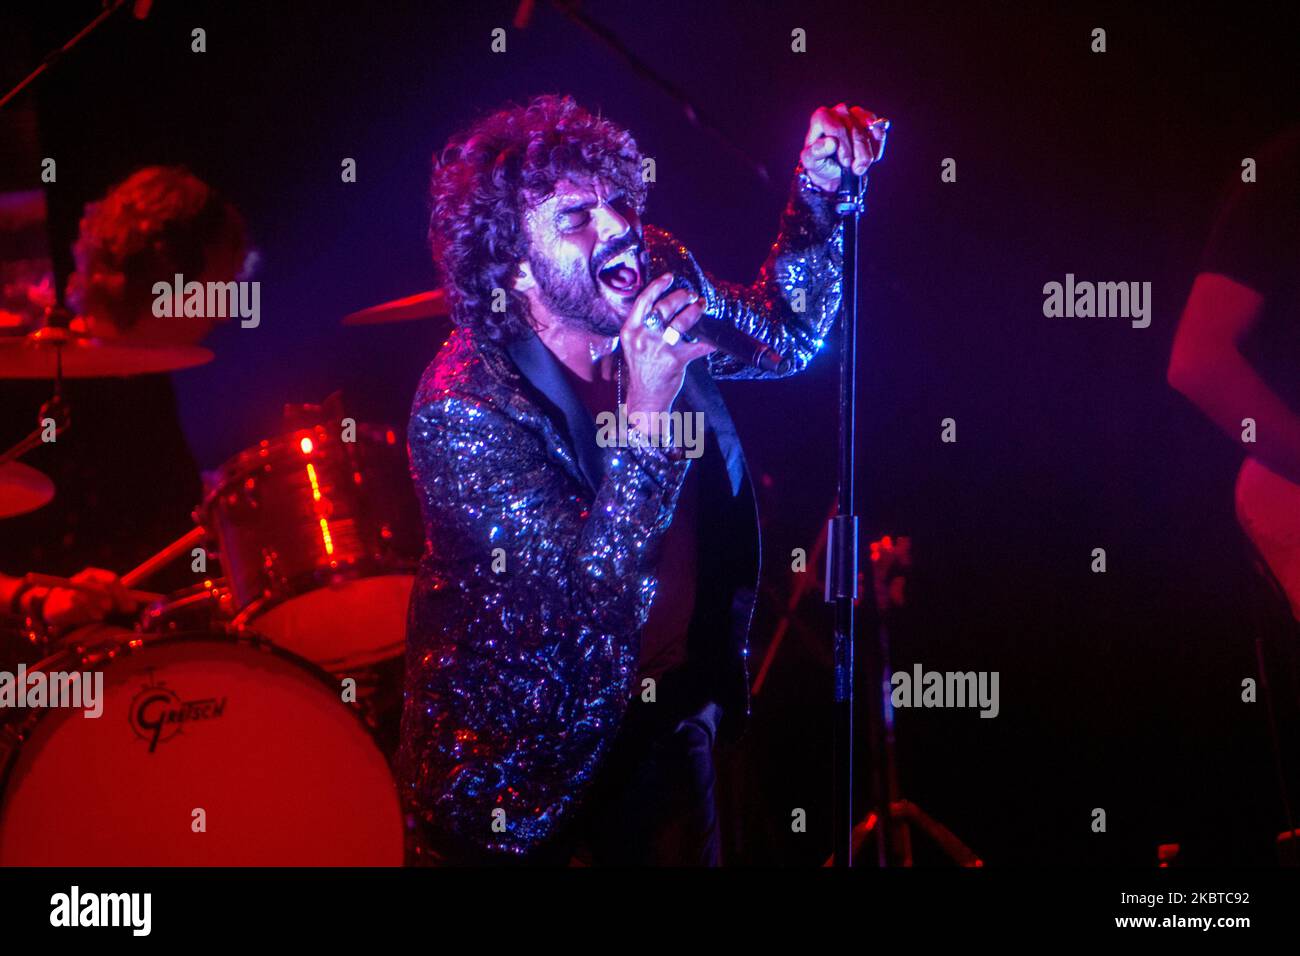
(904, 812)
(944, 838)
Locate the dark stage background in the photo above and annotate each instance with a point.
(1119, 691)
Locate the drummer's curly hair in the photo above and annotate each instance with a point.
(157, 222)
(482, 182)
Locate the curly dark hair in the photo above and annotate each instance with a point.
(484, 179)
(159, 221)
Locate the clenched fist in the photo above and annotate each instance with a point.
(839, 138)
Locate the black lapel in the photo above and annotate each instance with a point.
(703, 395)
(544, 372)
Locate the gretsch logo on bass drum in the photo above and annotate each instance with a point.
(158, 714)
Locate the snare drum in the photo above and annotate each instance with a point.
(211, 750)
(318, 538)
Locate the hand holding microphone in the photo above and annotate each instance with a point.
(657, 367)
(696, 326)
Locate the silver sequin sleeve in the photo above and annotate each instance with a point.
(796, 297)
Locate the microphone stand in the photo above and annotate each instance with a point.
(892, 813)
(842, 537)
(54, 57)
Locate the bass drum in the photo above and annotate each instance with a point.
(209, 751)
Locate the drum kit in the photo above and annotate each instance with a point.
(250, 718)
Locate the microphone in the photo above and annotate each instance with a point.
(725, 337)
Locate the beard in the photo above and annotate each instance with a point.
(573, 294)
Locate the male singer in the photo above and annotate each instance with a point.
(578, 629)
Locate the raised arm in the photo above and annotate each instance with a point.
(794, 301)
(792, 304)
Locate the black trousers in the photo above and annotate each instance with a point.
(653, 803)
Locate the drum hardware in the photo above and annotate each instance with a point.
(56, 352)
(206, 606)
(21, 642)
(23, 488)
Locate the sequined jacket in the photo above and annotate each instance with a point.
(540, 552)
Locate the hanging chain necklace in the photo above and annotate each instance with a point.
(617, 355)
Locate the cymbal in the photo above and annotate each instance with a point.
(422, 305)
(36, 356)
(22, 489)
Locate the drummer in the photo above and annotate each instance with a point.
(126, 481)
(62, 609)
